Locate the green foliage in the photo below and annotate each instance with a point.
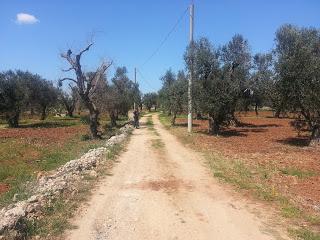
(221, 77)
(85, 119)
(125, 91)
(118, 97)
(13, 95)
(85, 137)
(297, 172)
(150, 100)
(173, 94)
(69, 100)
(21, 90)
(298, 69)
(262, 81)
(304, 234)
(42, 95)
(228, 79)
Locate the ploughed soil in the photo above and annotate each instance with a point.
(270, 143)
(41, 136)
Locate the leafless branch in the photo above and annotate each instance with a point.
(68, 79)
(67, 70)
(93, 81)
(84, 50)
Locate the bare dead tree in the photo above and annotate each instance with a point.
(86, 84)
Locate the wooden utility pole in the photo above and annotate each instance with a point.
(191, 71)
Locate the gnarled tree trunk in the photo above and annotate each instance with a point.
(13, 119)
(173, 118)
(199, 116)
(93, 116)
(113, 119)
(256, 109)
(315, 136)
(214, 126)
(86, 85)
(43, 113)
(69, 112)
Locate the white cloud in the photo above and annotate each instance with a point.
(25, 18)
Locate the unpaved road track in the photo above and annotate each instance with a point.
(165, 193)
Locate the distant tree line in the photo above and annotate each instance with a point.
(150, 100)
(229, 78)
(22, 91)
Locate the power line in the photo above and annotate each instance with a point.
(145, 80)
(166, 37)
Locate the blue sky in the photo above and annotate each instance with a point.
(127, 31)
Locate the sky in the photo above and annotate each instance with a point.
(33, 33)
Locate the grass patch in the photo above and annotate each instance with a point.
(57, 214)
(290, 211)
(56, 218)
(314, 220)
(26, 151)
(165, 120)
(238, 174)
(114, 151)
(149, 122)
(250, 177)
(304, 234)
(297, 172)
(18, 175)
(157, 143)
(150, 126)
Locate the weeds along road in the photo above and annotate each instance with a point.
(162, 190)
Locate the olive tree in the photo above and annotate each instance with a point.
(118, 97)
(69, 100)
(149, 100)
(221, 78)
(45, 95)
(164, 93)
(236, 58)
(262, 80)
(297, 55)
(86, 84)
(173, 94)
(13, 95)
(125, 90)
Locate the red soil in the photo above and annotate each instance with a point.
(42, 136)
(26, 144)
(3, 188)
(272, 143)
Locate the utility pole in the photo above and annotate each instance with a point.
(191, 9)
(135, 81)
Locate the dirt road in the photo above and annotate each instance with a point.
(162, 190)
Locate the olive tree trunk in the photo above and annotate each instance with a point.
(43, 113)
(113, 119)
(93, 116)
(173, 118)
(315, 136)
(214, 125)
(13, 119)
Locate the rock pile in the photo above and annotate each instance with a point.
(53, 185)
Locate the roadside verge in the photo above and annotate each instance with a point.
(55, 196)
